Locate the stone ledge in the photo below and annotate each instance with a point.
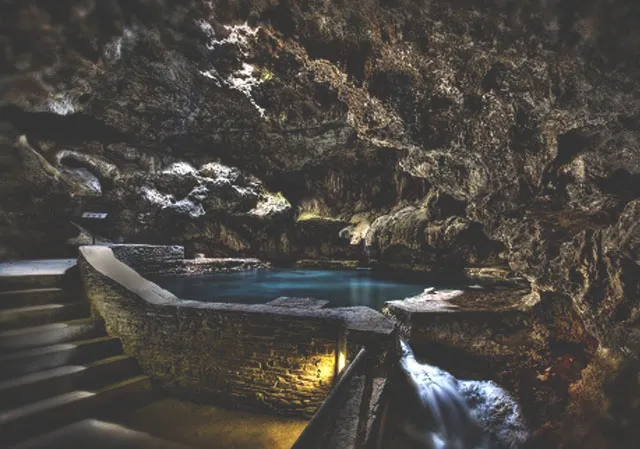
(298, 303)
(44, 267)
(170, 260)
(491, 326)
(464, 302)
(140, 255)
(201, 266)
(102, 259)
(366, 326)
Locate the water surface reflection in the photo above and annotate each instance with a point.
(342, 288)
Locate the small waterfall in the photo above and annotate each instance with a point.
(458, 414)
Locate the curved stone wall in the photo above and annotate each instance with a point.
(250, 356)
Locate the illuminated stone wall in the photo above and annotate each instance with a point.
(250, 356)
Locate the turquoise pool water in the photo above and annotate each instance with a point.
(342, 288)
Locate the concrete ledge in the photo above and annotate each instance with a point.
(103, 260)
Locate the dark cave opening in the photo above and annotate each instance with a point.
(490, 80)
(76, 164)
(72, 128)
(622, 184)
(71, 162)
(570, 144)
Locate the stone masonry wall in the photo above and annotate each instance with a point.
(249, 356)
(143, 255)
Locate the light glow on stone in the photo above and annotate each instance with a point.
(342, 360)
(325, 369)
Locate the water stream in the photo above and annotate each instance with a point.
(456, 414)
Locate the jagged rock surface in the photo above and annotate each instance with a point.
(443, 132)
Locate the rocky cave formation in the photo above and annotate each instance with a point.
(440, 133)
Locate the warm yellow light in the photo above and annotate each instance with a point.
(324, 369)
(342, 360)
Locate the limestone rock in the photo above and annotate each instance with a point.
(468, 133)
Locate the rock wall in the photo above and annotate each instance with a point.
(443, 132)
(534, 347)
(256, 357)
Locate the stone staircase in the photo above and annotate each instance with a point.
(57, 365)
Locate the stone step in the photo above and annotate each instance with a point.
(30, 274)
(49, 334)
(31, 281)
(94, 434)
(64, 379)
(47, 357)
(42, 314)
(41, 417)
(34, 297)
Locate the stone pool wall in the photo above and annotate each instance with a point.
(148, 255)
(250, 356)
(169, 260)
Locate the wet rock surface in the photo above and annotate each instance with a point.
(535, 346)
(448, 134)
(430, 408)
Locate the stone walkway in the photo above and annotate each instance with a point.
(205, 426)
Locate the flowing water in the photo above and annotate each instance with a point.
(342, 288)
(455, 414)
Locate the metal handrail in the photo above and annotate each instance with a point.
(310, 432)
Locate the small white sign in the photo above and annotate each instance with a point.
(98, 215)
